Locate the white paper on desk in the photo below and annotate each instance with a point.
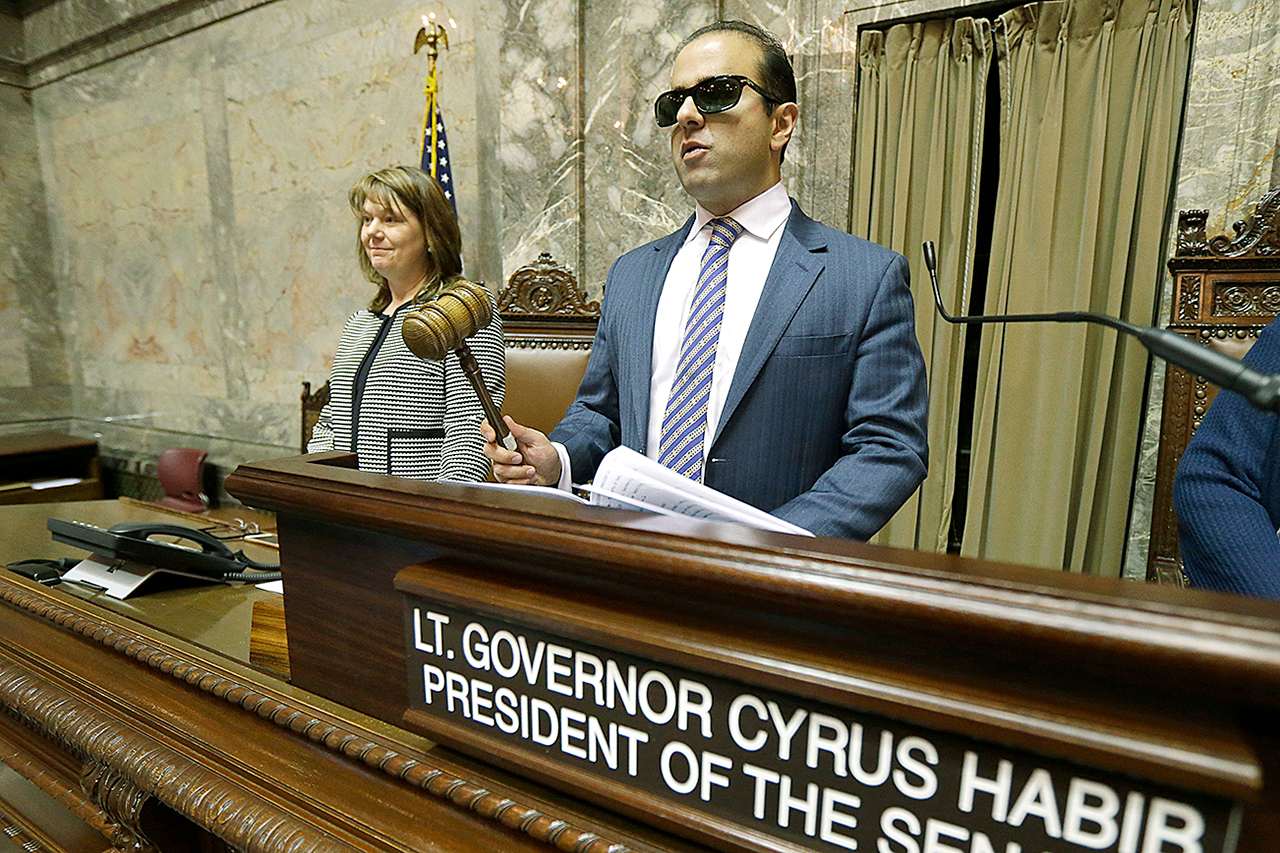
(272, 586)
(632, 476)
(604, 498)
(55, 482)
(545, 491)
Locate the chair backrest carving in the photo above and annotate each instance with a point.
(545, 289)
(549, 325)
(1225, 291)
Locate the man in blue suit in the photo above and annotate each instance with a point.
(816, 405)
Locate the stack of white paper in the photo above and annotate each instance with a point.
(629, 480)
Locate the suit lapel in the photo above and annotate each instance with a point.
(796, 267)
(637, 368)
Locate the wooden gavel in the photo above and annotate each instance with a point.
(443, 326)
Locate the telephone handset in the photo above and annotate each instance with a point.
(131, 541)
(209, 544)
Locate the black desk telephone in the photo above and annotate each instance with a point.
(132, 541)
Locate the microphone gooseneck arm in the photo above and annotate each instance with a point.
(1260, 389)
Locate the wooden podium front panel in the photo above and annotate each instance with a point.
(753, 762)
(1172, 690)
(344, 633)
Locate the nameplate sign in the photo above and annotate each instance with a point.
(749, 768)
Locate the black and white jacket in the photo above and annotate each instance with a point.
(417, 418)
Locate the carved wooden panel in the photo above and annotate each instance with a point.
(542, 307)
(545, 289)
(54, 773)
(119, 797)
(1226, 290)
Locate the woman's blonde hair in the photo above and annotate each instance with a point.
(408, 188)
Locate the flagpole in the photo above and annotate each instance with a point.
(433, 153)
(431, 39)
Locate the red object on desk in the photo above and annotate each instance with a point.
(181, 473)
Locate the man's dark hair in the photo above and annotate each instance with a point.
(776, 75)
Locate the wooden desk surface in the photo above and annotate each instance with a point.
(215, 616)
(39, 442)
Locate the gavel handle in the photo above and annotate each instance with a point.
(472, 369)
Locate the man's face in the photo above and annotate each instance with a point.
(727, 158)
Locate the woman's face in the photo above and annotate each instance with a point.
(394, 241)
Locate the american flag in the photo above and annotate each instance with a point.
(435, 145)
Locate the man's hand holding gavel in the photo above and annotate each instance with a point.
(534, 462)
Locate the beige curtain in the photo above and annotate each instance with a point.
(918, 149)
(1091, 94)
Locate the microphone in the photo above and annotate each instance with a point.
(443, 325)
(1261, 390)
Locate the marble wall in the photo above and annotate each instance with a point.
(12, 48)
(34, 369)
(176, 246)
(203, 249)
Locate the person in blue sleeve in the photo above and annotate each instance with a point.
(1227, 490)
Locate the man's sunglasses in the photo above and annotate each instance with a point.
(713, 95)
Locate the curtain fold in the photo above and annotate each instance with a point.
(1091, 95)
(918, 142)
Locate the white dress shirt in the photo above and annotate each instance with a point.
(750, 259)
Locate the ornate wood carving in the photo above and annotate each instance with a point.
(1246, 300)
(1191, 237)
(53, 772)
(210, 801)
(543, 308)
(1189, 299)
(548, 342)
(116, 795)
(544, 288)
(1256, 236)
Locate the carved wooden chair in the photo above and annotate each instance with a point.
(311, 406)
(549, 325)
(1225, 291)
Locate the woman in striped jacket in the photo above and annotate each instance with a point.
(400, 414)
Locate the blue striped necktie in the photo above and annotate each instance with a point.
(684, 423)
